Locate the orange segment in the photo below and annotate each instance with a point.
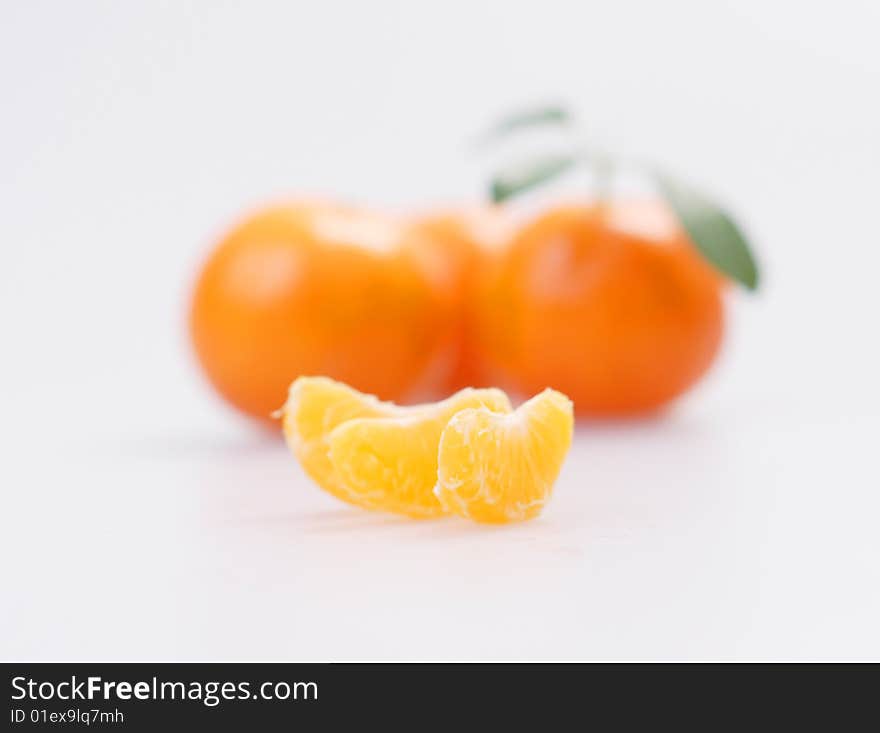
(501, 467)
(316, 405)
(390, 463)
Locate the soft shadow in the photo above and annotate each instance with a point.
(440, 528)
(199, 445)
(668, 422)
(346, 521)
(325, 521)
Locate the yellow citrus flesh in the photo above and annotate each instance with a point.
(390, 463)
(314, 407)
(501, 468)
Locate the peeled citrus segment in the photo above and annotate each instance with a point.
(390, 463)
(314, 407)
(501, 467)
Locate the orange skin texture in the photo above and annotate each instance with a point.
(623, 321)
(299, 289)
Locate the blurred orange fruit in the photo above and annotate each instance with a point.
(313, 288)
(468, 237)
(609, 303)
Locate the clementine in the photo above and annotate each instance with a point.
(609, 303)
(313, 288)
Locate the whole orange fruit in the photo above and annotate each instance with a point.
(321, 289)
(609, 303)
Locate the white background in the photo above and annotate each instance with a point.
(141, 519)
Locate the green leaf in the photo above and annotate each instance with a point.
(526, 118)
(712, 230)
(528, 175)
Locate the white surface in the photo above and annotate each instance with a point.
(141, 519)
